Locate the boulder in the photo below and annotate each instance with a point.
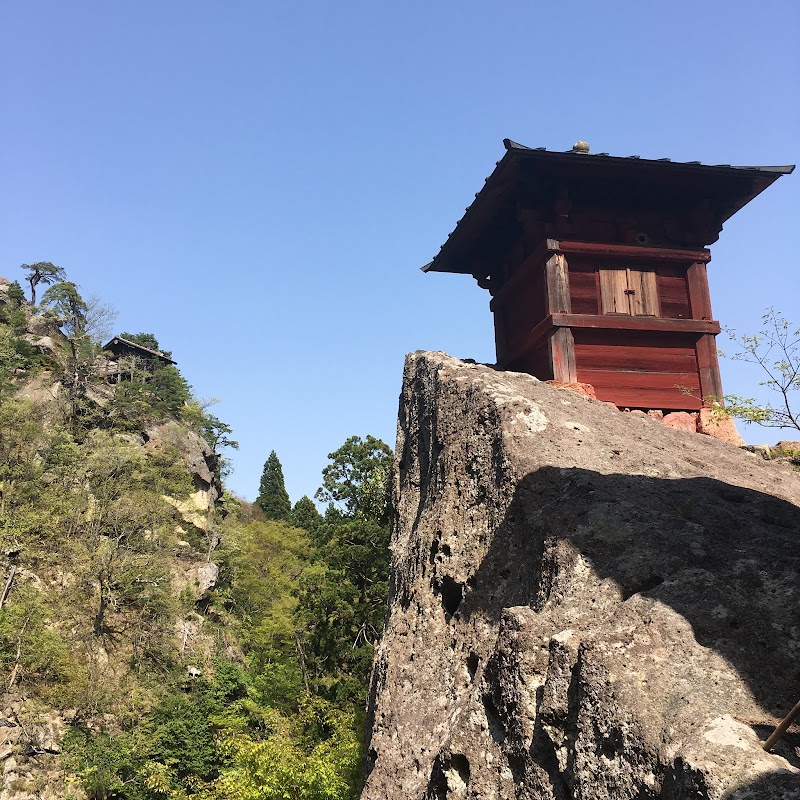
(789, 447)
(715, 422)
(45, 325)
(195, 578)
(681, 421)
(196, 453)
(42, 344)
(582, 604)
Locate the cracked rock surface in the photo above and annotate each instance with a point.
(584, 604)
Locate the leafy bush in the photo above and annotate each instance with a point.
(31, 652)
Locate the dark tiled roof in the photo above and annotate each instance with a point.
(732, 186)
(516, 146)
(141, 348)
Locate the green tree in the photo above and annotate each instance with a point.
(305, 514)
(42, 272)
(342, 605)
(12, 312)
(70, 308)
(15, 295)
(357, 478)
(342, 600)
(775, 349)
(64, 300)
(16, 355)
(123, 534)
(313, 755)
(216, 433)
(30, 651)
(266, 559)
(273, 498)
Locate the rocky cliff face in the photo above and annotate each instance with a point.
(32, 726)
(585, 603)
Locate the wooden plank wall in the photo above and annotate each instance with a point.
(521, 311)
(584, 285)
(640, 370)
(673, 292)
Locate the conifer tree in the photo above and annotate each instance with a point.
(42, 272)
(273, 498)
(305, 514)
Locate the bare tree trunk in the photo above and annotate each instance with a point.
(8, 585)
(101, 612)
(302, 658)
(781, 729)
(13, 679)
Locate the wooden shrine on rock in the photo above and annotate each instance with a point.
(597, 268)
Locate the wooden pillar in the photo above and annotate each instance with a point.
(560, 343)
(557, 282)
(707, 360)
(699, 296)
(561, 346)
(708, 364)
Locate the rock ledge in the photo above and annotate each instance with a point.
(584, 604)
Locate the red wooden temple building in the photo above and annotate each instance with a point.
(597, 268)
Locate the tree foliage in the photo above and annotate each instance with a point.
(16, 356)
(273, 499)
(287, 632)
(312, 756)
(343, 596)
(305, 514)
(70, 308)
(43, 272)
(266, 559)
(357, 478)
(775, 349)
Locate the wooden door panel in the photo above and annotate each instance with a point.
(613, 291)
(633, 292)
(644, 297)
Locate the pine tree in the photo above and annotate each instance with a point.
(273, 498)
(42, 272)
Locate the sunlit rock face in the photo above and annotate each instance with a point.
(584, 604)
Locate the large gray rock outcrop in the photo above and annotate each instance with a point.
(197, 455)
(585, 604)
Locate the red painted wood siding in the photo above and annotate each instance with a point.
(673, 292)
(522, 310)
(672, 287)
(640, 370)
(584, 289)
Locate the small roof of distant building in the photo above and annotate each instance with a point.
(118, 343)
(529, 174)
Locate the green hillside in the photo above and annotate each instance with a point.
(160, 638)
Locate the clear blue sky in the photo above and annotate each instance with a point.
(258, 183)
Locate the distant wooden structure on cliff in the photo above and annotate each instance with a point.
(122, 356)
(597, 268)
(119, 348)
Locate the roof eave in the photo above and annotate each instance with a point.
(515, 150)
